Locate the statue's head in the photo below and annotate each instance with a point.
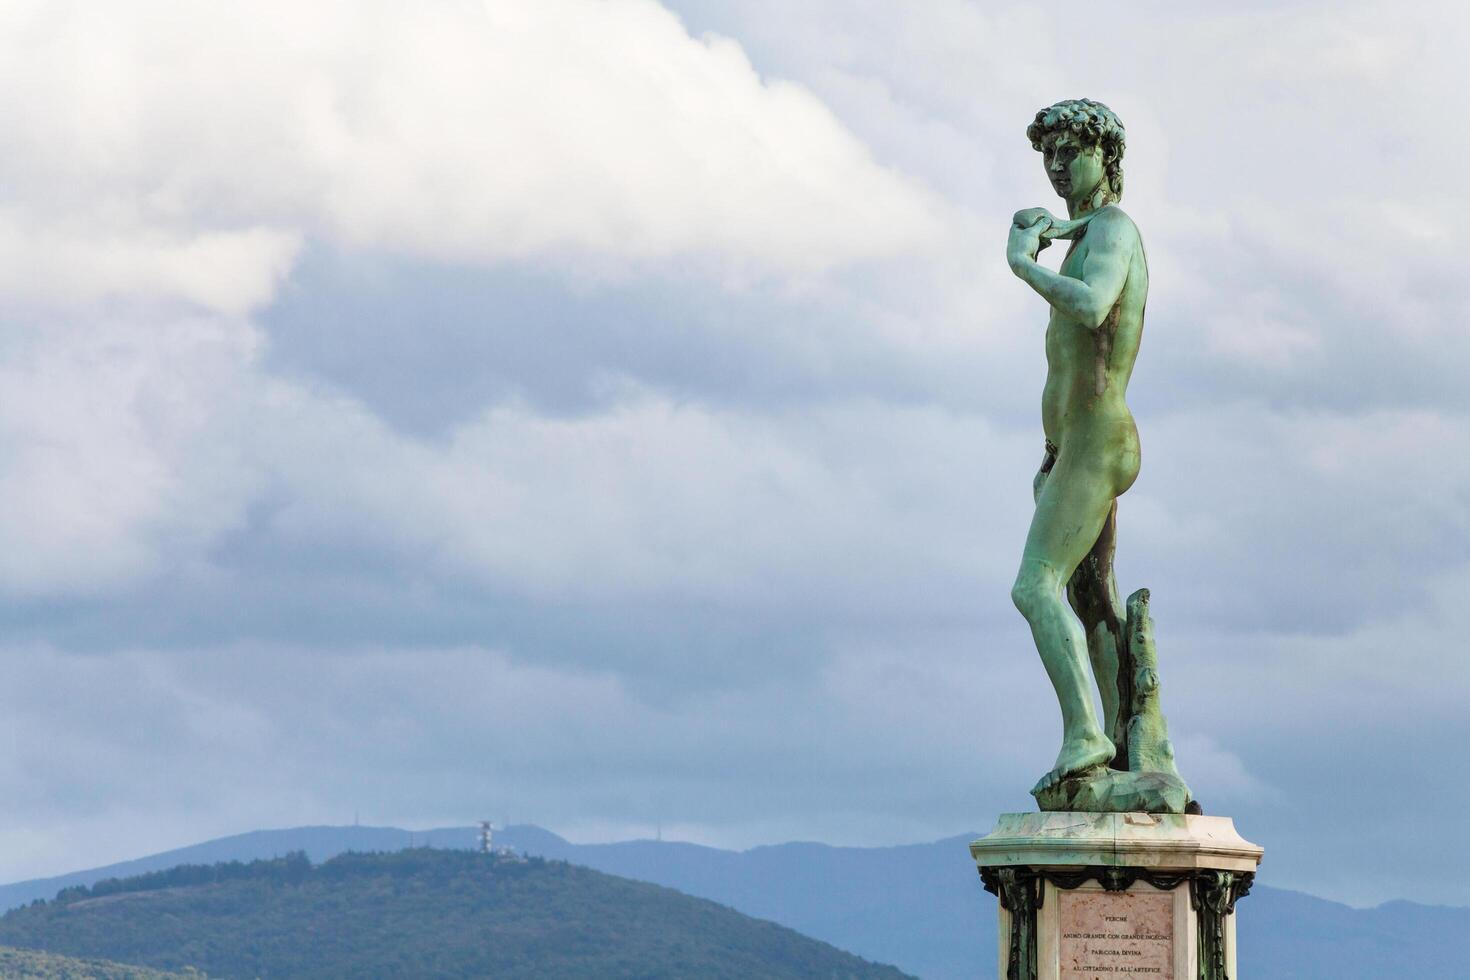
(1081, 144)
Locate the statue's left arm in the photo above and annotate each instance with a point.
(1110, 242)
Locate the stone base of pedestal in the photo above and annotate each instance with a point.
(1104, 896)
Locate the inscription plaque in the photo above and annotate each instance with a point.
(1112, 935)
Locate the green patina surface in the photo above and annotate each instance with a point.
(1123, 761)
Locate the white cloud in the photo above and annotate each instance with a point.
(183, 148)
(47, 260)
(164, 162)
(120, 448)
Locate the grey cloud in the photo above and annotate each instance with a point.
(393, 734)
(431, 346)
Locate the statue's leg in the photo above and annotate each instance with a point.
(1093, 593)
(1071, 509)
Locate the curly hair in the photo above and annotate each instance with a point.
(1094, 123)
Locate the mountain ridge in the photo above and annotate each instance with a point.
(918, 906)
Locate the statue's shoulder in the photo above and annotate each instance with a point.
(1111, 228)
(1113, 220)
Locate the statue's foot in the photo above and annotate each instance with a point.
(1077, 756)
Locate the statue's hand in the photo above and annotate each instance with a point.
(1025, 242)
(1029, 217)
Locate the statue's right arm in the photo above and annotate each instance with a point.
(1110, 242)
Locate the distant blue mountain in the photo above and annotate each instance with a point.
(919, 907)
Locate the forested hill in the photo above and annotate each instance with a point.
(418, 913)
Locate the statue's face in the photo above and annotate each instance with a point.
(1073, 168)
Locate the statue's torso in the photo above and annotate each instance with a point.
(1088, 370)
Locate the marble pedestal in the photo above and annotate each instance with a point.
(1107, 896)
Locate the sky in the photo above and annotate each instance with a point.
(620, 417)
